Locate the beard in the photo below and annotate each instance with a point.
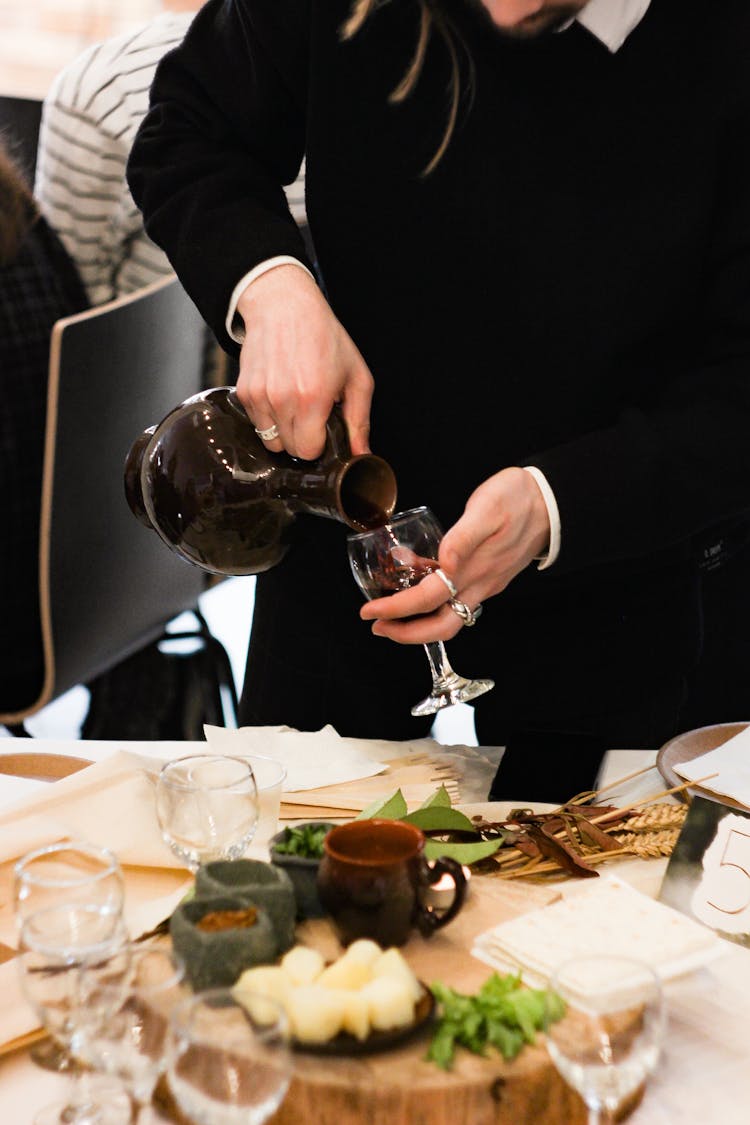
(540, 23)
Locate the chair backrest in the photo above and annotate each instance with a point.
(107, 584)
(20, 119)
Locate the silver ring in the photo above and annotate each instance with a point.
(466, 613)
(268, 435)
(448, 582)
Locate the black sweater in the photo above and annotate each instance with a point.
(570, 288)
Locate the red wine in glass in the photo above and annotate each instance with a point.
(393, 557)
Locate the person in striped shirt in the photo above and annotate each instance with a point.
(89, 120)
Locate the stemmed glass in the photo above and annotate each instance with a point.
(207, 806)
(610, 1040)
(72, 871)
(228, 1063)
(394, 557)
(65, 953)
(129, 1041)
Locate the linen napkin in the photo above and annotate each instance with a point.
(730, 762)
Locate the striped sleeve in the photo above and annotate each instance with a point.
(89, 121)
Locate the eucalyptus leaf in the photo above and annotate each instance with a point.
(437, 818)
(463, 853)
(441, 797)
(387, 808)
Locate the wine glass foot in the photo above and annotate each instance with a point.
(455, 690)
(51, 1055)
(117, 1109)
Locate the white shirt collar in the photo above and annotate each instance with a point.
(612, 21)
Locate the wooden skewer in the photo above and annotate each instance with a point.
(650, 800)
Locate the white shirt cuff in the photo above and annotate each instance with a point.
(234, 325)
(553, 513)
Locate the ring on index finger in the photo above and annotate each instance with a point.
(468, 615)
(268, 435)
(450, 584)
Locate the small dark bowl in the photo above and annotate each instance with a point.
(216, 960)
(302, 871)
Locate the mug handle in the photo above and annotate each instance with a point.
(429, 919)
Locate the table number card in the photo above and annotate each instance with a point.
(708, 877)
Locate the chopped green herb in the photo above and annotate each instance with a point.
(503, 1014)
(305, 841)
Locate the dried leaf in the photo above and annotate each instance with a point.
(560, 853)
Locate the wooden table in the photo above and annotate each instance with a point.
(704, 1076)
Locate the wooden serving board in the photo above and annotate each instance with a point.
(398, 1087)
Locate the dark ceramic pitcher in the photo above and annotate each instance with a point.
(204, 480)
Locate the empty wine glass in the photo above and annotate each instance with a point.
(128, 1040)
(207, 805)
(67, 872)
(228, 1063)
(394, 557)
(64, 952)
(610, 1039)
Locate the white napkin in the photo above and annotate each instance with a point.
(602, 916)
(731, 764)
(312, 759)
(111, 803)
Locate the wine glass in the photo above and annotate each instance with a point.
(66, 953)
(67, 872)
(228, 1063)
(129, 1041)
(610, 1039)
(393, 557)
(207, 805)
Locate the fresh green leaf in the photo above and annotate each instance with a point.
(305, 841)
(463, 853)
(503, 1014)
(387, 808)
(441, 798)
(438, 818)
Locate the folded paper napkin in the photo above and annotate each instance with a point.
(730, 763)
(605, 916)
(310, 758)
(111, 804)
(329, 775)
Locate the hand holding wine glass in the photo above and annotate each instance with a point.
(395, 557)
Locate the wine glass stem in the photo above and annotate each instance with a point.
(443, 676)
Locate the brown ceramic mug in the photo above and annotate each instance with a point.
(373, 877)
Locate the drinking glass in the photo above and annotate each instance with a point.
(68, 872)
(128, 1039)
(228, 1063)
(66, 953)
(270, 776)
(207, 805)
(394, 557)
(610, 1039)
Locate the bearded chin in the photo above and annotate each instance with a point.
(545, 23)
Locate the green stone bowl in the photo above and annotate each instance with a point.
(257, 883)
(217, 960)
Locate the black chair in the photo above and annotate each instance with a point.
(108, 587)
(20, 119)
